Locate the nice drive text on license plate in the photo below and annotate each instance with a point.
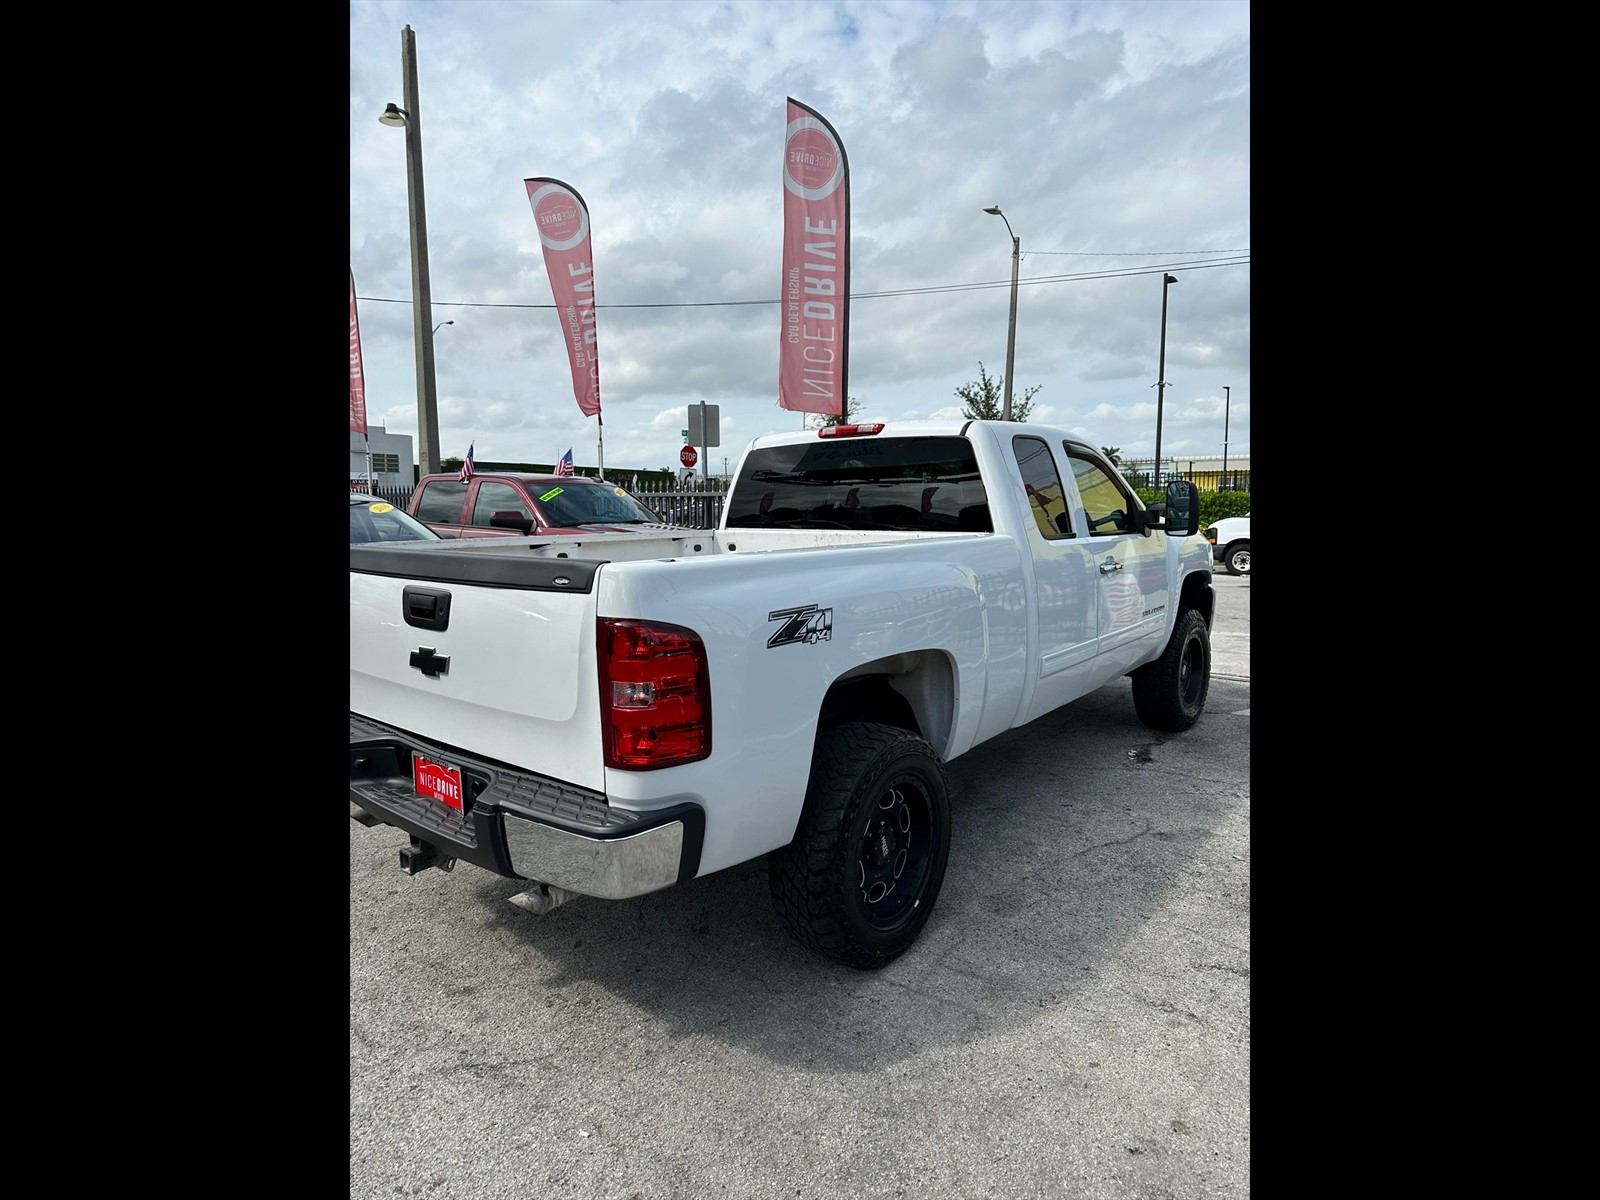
(441, 782)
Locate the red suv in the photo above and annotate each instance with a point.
(516, 504)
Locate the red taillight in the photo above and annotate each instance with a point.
(850, 430)
(655, 694)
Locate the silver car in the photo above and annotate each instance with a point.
(375, 520)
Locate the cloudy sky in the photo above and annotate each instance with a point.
(1114, 136)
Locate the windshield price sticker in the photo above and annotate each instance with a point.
(551, 494)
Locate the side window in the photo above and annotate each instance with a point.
(1106, 498)
(1046, 500)
(441, 502)
(496, 497)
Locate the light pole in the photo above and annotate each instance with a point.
(441, 325)
(1011, 332)
(1227, 397)
(410, 120)
(1161, 372)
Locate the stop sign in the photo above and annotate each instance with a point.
(688, 457)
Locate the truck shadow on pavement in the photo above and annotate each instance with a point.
(1083, 846)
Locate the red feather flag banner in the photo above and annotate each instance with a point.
(358, 385)
(814, 346)
(562, 220)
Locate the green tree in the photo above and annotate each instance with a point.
(983, 400)
(1113, 454)
(852, 408)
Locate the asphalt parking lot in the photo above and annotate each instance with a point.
(1074, 1022)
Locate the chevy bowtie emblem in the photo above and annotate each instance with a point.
(430, 664)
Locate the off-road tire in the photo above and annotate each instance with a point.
(1170, 693)
(860, 878)
(1237, 559)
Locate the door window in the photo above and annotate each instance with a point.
(496, 497)
(1106, 498)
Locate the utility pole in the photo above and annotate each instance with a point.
(1011, 329)
(1227, 397)
(421, 294)
(1161, 374)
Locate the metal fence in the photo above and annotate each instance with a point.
(696, 505)
(1141, 472)
(399, 497)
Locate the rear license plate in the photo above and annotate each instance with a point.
(441, 782)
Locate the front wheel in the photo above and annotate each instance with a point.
(1170, 693)
(1237, 559)
(860, 878)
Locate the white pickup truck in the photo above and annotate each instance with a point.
(610, 715)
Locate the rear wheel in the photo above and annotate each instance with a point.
(1170, 693)
(1237, 559)
(860, 878)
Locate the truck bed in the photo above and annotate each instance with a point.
(630, 547)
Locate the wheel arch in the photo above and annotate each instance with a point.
(1199, 595)
(914, 690)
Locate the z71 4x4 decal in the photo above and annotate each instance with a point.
(808, 624)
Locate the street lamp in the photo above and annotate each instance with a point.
(442, 324)
(409, 119)
(1227, 397)
(1161, 371)
(1011, 333)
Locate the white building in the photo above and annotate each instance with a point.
(393, 465)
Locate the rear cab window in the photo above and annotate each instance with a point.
(440, 502)
(918, 484)
(1047, 499)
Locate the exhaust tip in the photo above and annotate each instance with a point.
(540, 898)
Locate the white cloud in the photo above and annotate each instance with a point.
(1115, 136)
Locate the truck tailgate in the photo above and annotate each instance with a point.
(494, 654)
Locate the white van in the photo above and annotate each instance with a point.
(1230, 543)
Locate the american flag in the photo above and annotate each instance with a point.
(466, 467)
(564, 467)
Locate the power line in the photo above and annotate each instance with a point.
(937, 289)
(1130, 253)
(1036, 279)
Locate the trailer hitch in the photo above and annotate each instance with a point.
(421, 855)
